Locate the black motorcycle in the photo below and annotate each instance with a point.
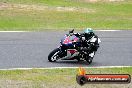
(72, 47)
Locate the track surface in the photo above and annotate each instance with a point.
(30, 50)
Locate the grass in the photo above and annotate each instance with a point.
(40, 15)
(54, 78)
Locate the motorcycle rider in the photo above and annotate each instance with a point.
(88, 38)
(89, 42)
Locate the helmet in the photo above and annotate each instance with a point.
(88, 33)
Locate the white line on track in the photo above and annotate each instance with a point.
(14, 31)
(107, 30)
(33, 31)
(66, 67)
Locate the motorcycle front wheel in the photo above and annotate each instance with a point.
(53, 56)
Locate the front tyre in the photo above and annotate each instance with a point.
(53, 56)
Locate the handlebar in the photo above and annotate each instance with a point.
(71, 31)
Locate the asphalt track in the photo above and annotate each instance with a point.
(30, 49)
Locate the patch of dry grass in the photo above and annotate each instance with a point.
(55, 78)
(24, 7)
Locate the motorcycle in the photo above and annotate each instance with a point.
(72, 48)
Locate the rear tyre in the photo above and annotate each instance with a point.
(90, 57)
(89, 60)
(53, 56)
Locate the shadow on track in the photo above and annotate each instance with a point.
(74, 63)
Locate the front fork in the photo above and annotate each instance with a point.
(62, 52)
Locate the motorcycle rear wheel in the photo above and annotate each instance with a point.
(53, 56)
(89, 60)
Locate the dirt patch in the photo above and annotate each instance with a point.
(21, 6)
(14, 84)
(74, 9)
(115, 0)
(4, 6)
(102, 0)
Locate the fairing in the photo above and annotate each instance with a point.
(68, 40)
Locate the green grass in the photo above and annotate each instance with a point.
(97, 15)
(54, 78)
